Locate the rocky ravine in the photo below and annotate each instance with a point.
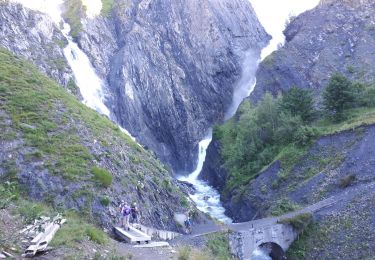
(171, 67)
(334, 37)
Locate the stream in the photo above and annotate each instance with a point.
(92, 87)
(274, 20)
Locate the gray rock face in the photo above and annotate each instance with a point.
(34, 36)
(334, 37)
(172, 67)
(337, 36)
(213, 171)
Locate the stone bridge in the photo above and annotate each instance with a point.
(268, 233)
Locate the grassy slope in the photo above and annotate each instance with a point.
(63, 134)
(45, 115)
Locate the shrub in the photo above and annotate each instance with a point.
(184, 202)
(347, 180)
(283, 206)
(299, 222)
(105, 201)
(184, 253)
(30, 211)
(102, 176)
(96, 235)
(219, 246)
(107, 7)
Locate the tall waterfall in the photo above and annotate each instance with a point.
(89, 83)
(274, 21)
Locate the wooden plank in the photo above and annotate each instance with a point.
(132, 235)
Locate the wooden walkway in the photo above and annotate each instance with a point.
(132, 235)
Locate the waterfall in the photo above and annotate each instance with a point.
(274, 21)
(89, 83)
(91, 86)
(206, 197)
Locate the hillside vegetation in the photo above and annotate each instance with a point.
(283, 127)
(64, 155)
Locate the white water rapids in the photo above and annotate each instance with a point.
(273, 15)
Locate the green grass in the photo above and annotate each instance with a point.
(283, 206)
(355, 118)
(47, 118)
(73, 12)
(299, 222)
(102, 176)
(76, 230)
(108, 5)
(219, 246)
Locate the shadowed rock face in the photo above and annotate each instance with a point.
(334, 37)
(171, 66)
(33, 36)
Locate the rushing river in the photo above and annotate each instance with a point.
(274, 21)
(273, 14)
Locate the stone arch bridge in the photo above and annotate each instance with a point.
(268, 233)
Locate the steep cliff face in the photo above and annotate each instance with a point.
(334, 37)
(171, 67)
(57, 151)
(34, 36)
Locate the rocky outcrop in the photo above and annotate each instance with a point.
(171, 67)
(334, 37)
(214, 171)
(34, 36)
(59, 152)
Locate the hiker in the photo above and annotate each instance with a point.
(134, 213)
(187, 224)
(125, 215)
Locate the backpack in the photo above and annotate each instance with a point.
(125, 211)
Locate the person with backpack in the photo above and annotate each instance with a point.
(134, 213)
(125, 215)
(187, 224)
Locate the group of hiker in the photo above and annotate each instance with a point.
(129, 214)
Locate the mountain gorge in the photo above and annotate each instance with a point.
(334, 159)
(168, 71)
(171, 67)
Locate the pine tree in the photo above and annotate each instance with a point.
(338, 96)
(299, 102)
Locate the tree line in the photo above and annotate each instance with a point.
(256, 136)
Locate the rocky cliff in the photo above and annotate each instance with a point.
(334, 37)
(337, 36)
(171, 67)
(57, 151)
(34, 36)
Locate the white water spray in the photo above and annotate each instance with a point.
(274, 21)
(206, 197)
(89, 83)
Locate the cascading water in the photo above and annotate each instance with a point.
(274, 21)
(90, 84)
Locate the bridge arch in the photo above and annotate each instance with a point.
(268, 250)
